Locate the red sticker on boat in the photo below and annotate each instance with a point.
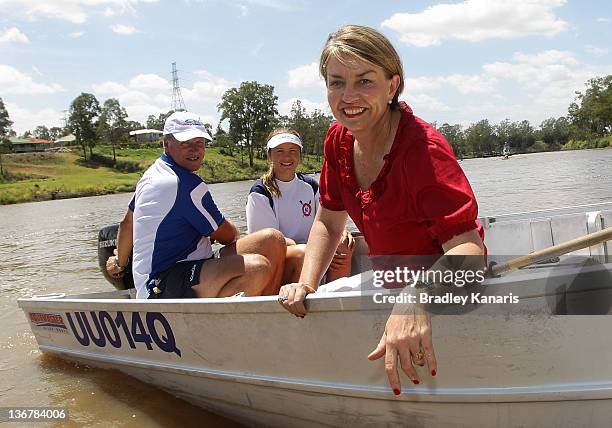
(50, 321)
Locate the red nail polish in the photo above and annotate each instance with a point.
(433, 372)
(396, 391)
(416, 382)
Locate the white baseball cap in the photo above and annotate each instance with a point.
(184, 125)
(279, 139)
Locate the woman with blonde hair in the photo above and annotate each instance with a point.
(396, 177)
(288, 201)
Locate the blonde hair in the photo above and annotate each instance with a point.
(368, 45)
(268, 178)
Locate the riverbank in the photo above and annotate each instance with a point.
(45, 176)
(31, 177)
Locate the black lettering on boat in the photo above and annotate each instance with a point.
(139, 333)
(165, 342)
(120, 321)
(84, 340)
(100, 340)
(107, 322)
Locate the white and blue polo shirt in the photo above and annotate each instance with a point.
(174, 215)
(293, 213)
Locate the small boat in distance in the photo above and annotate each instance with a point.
(540, 362)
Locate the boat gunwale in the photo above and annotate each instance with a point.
(343, 301)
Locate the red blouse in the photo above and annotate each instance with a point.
(420, 199)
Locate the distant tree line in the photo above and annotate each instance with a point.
(588, 124)
(250, 112)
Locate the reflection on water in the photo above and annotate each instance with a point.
(51, 247)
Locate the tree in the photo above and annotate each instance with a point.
(554, 132)
(454, 136)
(5, 132)
(479, 138)
(84, 112)
(55, 132)
(42, 132)
(112, 124)
(133, 125)
(159, 121)
(591, 113)
(319, 125)
(250, 110)
(5, 122)
(299, 121)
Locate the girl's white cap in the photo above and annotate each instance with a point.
(279, 139)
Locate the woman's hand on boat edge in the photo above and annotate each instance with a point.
(407, 338)
(112, 267)
(292, 296)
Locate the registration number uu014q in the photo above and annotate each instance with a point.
(101, 328)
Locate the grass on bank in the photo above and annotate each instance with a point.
(598, 143)
(44, 176)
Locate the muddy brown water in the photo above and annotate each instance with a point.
(51, 247)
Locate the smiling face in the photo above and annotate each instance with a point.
(285, 159)
(187, 154)
(358, 92)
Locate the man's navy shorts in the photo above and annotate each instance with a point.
(176, 282)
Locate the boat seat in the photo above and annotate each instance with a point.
(524, 236)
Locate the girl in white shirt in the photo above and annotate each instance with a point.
(288, 201)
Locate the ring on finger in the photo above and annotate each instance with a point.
(418, 356)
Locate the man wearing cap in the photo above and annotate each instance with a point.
(171, 220)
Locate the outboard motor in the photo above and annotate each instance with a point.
(107, 242)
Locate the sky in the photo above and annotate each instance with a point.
(463, 60)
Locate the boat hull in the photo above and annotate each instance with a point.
(246, 358)
(545, 361)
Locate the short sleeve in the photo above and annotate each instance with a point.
(259, 213)
(202, 212)
(445, 200)
(132, 204)
(330, 187)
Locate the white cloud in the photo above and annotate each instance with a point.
(284, 108)
(25, 119)
(147, 94)
(552, 56)
(535, 71)
(76, 11)
(305, 77)
(108, 88)
(76, 34)
(477, 20)
(604, 20)
(13, 81)
(13, 35)
(209, 88)
(426, 102)
(464, 83)
(124, 30)
(470, 84)
(528, 86)
(596, 51)
(150, 81)
(421, 83)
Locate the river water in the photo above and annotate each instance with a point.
(52, 247)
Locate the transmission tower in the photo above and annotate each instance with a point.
(177, 99)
